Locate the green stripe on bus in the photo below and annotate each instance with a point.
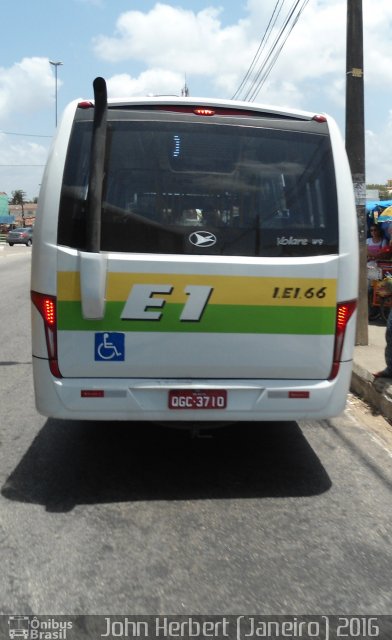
(215, 319)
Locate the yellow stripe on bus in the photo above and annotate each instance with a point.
(233, 290)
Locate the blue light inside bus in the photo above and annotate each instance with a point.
(176, 146)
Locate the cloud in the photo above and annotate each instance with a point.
(199, 44)
(178, 40)
(164, 35)
(378, 154)
(156, 81)
(30, 81)
(22, 163)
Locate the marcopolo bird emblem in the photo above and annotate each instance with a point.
(202, 239)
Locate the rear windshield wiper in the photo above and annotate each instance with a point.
(97, 167)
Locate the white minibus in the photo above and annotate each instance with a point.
(194, 260)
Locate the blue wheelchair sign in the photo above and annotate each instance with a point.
(109, 347)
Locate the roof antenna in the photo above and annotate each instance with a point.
(185, 90)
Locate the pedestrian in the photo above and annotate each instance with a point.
(385, 290)
(376, 243)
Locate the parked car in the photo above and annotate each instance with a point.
(21, 235)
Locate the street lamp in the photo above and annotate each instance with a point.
(55, 64)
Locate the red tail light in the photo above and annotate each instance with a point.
(319, 118)
(85, 104)
(46, 306)
(203, 111)
(344, 311)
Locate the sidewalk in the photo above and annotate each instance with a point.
(368, 360)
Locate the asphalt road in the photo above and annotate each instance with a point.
(139, 519)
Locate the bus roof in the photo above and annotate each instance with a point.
(218, 103)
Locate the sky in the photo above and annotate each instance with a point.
(143, 47)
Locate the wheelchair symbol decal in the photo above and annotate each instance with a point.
(109, 347)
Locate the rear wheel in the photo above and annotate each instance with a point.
(28, 243)
(11, 244)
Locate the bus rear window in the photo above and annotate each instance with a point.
(185, 187)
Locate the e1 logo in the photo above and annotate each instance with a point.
(142, 300)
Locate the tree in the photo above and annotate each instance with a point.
(19, 197)
(383, 190)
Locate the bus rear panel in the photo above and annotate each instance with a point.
(224, 283)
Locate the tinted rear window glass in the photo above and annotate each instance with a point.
(195, 187)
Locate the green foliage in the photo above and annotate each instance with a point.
(382, 190)
(18, 197)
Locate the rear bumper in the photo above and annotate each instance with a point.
(147, 399)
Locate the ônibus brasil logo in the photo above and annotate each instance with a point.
(37, 629)
(202, 239)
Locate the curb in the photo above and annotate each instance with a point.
(376, 392)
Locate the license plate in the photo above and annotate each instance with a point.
(204, 399)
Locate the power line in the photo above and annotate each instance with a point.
(25, 135)
(270, 58)
(261, 46)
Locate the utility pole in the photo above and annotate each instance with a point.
(355, 146)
